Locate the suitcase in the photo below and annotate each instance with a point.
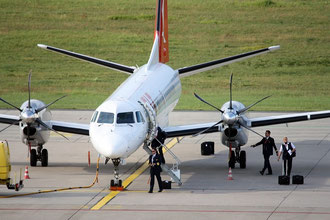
(297, 179)
(207, 148)
(283, 180)
(167, 184)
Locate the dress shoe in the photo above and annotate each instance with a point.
(269, 174)
(160, 190)
(150, 192)
(261, 172)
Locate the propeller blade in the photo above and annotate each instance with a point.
(11, 105)
(9, 126)
(29, 88)
(250, 129)
(250, 106)
(49, 128)
(197, 96)
(46, 106)
(231, 95)
(201, 132)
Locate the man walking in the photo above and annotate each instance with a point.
(268, 144)
(289, 151)
(155, 169)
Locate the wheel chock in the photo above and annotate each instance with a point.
(116, 188)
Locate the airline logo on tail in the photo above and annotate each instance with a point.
(162, 31)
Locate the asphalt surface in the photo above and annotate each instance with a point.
(205, 194)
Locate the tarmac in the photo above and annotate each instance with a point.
(205, 193)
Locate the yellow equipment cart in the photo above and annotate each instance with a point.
(5, 168)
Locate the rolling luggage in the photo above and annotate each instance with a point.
(297, 179)
(283, 179)
(207, 148)
(167, 184)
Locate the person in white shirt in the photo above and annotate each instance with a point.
(288, 150)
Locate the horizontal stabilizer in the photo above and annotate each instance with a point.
(191, 70)
(105, 63)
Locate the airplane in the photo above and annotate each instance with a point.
(137, 112)
(34, 127)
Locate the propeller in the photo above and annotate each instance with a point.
(229, 118)
(30, 115)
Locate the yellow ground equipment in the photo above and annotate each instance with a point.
(5, 168)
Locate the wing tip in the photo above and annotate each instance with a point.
(43, 46)
(272, 48)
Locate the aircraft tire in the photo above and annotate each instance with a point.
(232, 161)
(112, 183)
(242, 159)
(33, 158)
(44, 158)
(120, 183)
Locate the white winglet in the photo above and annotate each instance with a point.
(42, 46)
(272, 48)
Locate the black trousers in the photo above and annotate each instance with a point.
(152, 180)
(289, 162)
(267, 164)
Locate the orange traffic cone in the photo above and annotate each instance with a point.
(230, 175)
(26, 175)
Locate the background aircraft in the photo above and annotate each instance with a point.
(34, 125)
(137, 113)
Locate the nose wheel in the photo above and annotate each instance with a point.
(116, 184)
(39, 155)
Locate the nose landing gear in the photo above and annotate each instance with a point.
(237, 156)
(39, 155)
(116, 184)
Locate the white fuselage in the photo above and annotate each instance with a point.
(124, 121)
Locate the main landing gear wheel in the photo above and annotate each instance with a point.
(242, 159)
(232, 160)
(44, 158)
(33, 158)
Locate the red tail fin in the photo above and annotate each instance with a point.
(161, 29)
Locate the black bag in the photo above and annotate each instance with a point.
(297, 179)
(207, 148)
(167, 184)
(284, 180)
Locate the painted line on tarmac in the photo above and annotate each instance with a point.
(172, 210)
(131, 178)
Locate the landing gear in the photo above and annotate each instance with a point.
(33, 158)
(242, 159)
(39, 155)
(116, 182)
(232, 160)
(237, 157)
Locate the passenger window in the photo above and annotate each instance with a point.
(139, 117)
(125, 118)
(94, 116)
(106, 117)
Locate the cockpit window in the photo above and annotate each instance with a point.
(139, 117)
(106, 117)
(94, 116)
(125, 117)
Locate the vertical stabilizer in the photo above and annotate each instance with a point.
(160, 53)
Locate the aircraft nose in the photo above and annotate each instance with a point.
(112, 146)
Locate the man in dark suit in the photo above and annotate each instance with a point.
(155, 169)
(268, 144)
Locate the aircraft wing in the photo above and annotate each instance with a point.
(283, 119)
(186, 130)
(191, 70)
(112, 65)
(9, 119)
(68, 127)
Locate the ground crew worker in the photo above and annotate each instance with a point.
(289, 151)
(268, 144)
(155, 169)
